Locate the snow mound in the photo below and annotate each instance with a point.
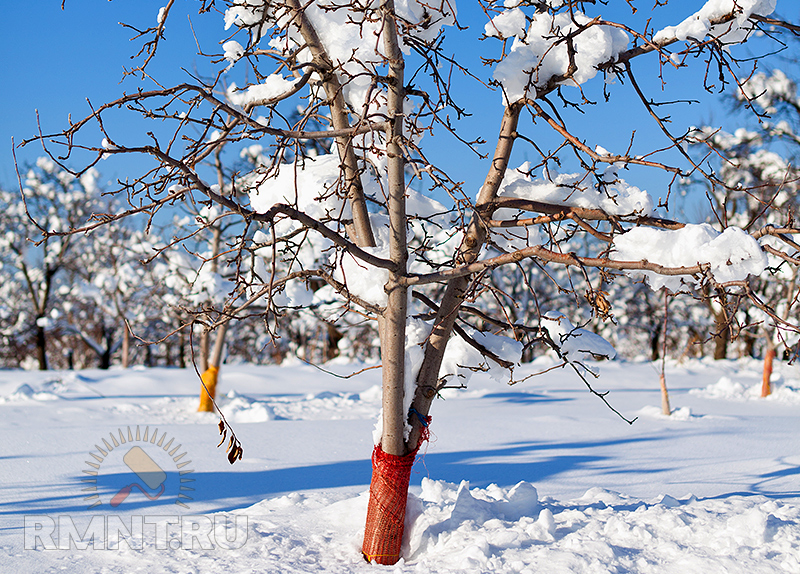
(329, 405)
(325, 405)
(25, 392)
(241, 409)
(726, 388)
(681, 414)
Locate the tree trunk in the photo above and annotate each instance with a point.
(168, 352)
(392, 459)
(105, 359)
(126, 344)
(41, 346)
(769, 356)
(655, 352)
(721, 337)
(428, 378)
(105, 356)
(749, 337)
(205, 347)
(332, 346)
(181, 349)
(148, 356)
(665, 408)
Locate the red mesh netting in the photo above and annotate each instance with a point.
(386, 513)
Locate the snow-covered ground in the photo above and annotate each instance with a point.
(538, 477)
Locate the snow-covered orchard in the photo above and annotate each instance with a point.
(308, 195)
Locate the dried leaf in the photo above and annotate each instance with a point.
(234, 447)
(232, 454)
(597, 299)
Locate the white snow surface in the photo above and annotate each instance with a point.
(538, 477)
(732, 254)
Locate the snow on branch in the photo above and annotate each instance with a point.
(699, 25)
(603, 190)
(575, 344)
(731, 255)
(565, 47)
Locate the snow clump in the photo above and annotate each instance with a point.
(613, 195)
(576, 344)
(233, 52)
(697, 26)
(732, 255)
(534, 59)
(272, 87)
(507, 24)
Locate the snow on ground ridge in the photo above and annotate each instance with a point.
(787, 392)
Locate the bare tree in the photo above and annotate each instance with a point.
(53, 199)
(761, 182)
(378, 77)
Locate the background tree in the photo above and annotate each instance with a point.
(760, 185)
(109, 293)
(54, 199)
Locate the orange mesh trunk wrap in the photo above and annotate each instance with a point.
(386, 514)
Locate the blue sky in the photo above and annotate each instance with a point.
(54, 60)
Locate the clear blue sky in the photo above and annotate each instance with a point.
(54, 60)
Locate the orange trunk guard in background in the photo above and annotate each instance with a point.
(209, 379)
